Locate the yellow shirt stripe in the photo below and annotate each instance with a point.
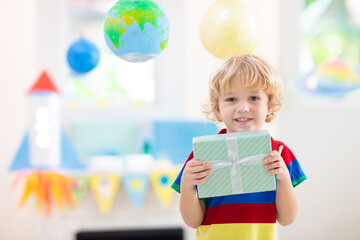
(240, 231)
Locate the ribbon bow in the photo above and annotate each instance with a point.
(233, 159)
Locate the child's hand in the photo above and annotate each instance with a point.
(276, 166)
(195, 173)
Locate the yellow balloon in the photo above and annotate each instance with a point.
(229, 27)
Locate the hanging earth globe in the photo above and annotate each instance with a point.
(83, 56)
(136, 30)
(229, 27)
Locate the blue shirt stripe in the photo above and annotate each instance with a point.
(259, 197)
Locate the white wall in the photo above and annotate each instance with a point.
(17, 53)
(325, 137)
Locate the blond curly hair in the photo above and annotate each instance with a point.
(251, 72)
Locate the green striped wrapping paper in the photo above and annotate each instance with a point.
(237, 163)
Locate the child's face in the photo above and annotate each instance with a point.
(243, 109)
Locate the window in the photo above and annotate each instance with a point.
(113, 80)
(330, 54)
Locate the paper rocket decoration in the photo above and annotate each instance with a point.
(104, 188)
(45, 145)
(48, 186)
(161, 181)
(43, 85)
(136, 187)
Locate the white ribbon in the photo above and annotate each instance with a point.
(233, 159)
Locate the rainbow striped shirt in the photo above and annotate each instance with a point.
(250, 216)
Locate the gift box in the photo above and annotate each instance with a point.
(237, 161)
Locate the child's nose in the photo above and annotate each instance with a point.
(242, 106)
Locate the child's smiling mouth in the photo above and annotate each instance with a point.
(243, 119)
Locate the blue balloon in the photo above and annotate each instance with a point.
(83, 56)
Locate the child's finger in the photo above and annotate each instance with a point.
(272, 165)
(274, 156)
(274, 171)
(199, 169)
(194, 162)
(270, 160)
(202, 174)
(274, 153)
(199, 165)
(200, 181)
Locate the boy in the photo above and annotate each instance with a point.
(245, 92)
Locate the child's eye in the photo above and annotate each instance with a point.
(253, 98)
(231, 99)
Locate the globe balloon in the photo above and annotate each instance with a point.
(136, 30)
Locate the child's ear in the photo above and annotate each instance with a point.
(270, 110)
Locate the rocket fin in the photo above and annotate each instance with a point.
(69, 158)
(22, 157)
